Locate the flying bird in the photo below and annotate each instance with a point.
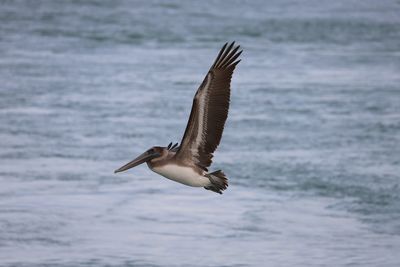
(188, 163)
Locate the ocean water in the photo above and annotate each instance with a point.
(311, 146)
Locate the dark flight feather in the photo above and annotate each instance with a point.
(209, 110)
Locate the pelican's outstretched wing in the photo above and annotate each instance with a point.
(210, 110)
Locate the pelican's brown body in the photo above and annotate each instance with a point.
(188, 163)
(170, 167)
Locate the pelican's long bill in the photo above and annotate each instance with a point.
(137, 161)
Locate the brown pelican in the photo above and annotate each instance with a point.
(187, 163)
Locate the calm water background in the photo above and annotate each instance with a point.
(311, 147)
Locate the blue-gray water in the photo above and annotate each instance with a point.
(311, 146)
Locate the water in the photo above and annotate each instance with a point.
(311, 145)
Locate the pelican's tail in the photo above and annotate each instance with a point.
(218, 180)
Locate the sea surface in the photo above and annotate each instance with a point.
(311, 146)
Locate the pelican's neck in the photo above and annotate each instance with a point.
(165, 158)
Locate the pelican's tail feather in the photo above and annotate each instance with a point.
(218, 180)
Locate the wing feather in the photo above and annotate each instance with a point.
(209, 110)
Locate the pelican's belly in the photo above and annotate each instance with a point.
(183, 175)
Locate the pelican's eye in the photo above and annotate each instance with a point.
(150, 151)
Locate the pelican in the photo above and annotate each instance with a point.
(188, 163)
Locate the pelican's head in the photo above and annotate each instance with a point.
(147, 156)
